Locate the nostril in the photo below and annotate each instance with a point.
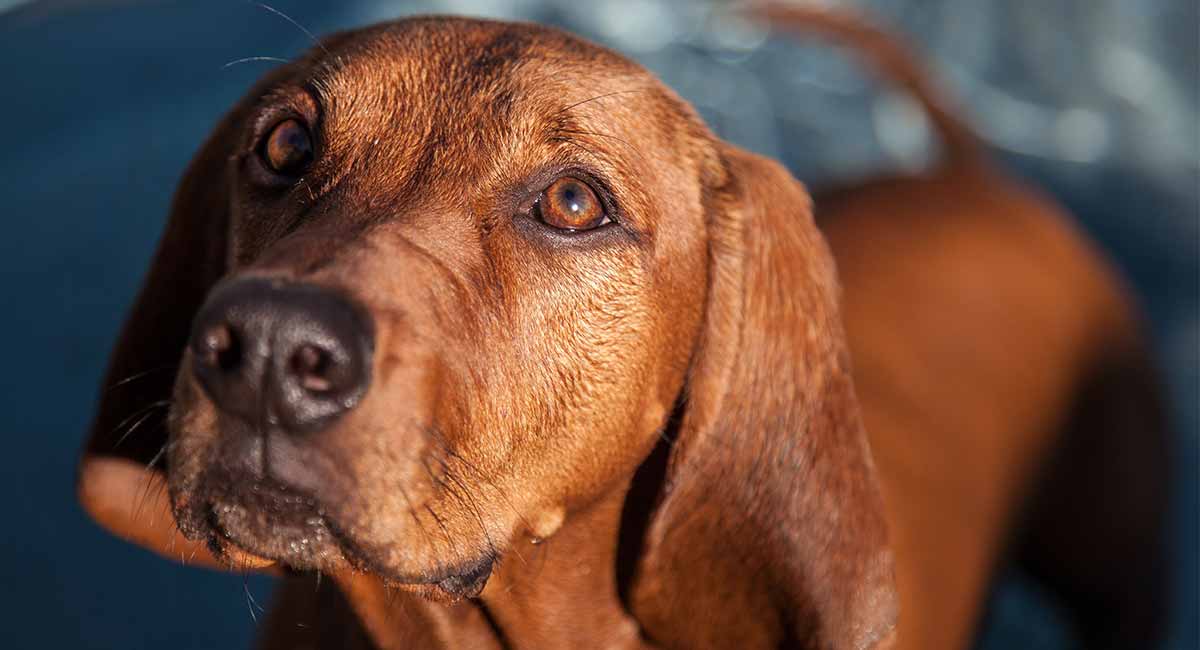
(219, 348)
(312, 367)
(287, 355)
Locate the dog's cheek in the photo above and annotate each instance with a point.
(586, 372)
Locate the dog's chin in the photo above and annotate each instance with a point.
(304, 543)
(251, 522)
(255, 522)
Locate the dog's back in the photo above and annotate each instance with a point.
(1004, 385)
(979, 323)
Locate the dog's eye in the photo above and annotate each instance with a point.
(287, 149)
(569, 204)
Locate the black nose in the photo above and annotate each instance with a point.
(292, 356)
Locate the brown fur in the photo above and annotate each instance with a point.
(645, 435)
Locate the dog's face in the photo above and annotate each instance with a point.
(439, 286)
(461, 300)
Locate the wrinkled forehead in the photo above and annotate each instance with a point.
(467, 55)
(455, 93)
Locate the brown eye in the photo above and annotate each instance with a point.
(288, 148)
(569, 204)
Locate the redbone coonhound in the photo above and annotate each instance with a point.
(481, 320)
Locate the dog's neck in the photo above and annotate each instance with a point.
(547, 595)
(567, 589)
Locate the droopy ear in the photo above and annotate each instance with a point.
(120, 483)
(770, 529)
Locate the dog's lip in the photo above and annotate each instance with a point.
(255, 521)
(327, 549)
(271, 522)
(240, 557)
(243, 549)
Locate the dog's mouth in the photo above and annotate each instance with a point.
(269, 520)
(254, 521)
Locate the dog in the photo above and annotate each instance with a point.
(480, 320)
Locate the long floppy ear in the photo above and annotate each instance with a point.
(770, 530)
(120, 483)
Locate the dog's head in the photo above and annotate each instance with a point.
(443, 282)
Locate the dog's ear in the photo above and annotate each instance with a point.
(120, 483)
(189, 260)
(770, 529)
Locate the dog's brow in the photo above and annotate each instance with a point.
(320, 82)
(607, 95)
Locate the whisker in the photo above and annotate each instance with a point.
(249, 599)
(599, 135)
(628, 145)
(292, 21)
(147, 408)
(459, 458)
(445, 531)
(251, 596)
(434, 435)
(413, 513)
(580, 145)
(438, 486)
(467, 500)
(157, 457)
(140, 375)
(145, 492)
(603, 96)
(148, 472)
(250, 59)
(128, 432)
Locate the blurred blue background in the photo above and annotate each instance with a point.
(103, 102)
